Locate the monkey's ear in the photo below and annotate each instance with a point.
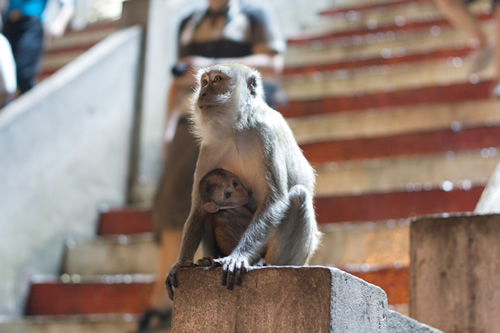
(211, 207)
(252, 85)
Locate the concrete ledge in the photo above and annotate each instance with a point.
(396, 322)
(279, 299)
(284, 299)
(489, 203)
(455, 272)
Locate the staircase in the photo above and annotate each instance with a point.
(383, 104)
(60, 52)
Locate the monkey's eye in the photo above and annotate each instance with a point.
(228, 195)
(235, 184)
(217, 78)
(204, 82)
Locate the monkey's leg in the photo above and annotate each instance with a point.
(297, 236)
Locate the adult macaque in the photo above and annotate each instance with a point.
(240, 133)
(229, 210)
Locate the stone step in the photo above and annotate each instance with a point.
(381, 243)
(355, 102)
(412, 144)
(124, 221)
(376, 206)
(346, 6)
(395, 15)
(386, 57)
(383, 79)
(357, 4)
(129, 294)
(356, 32)
(393, 280)
(364, 127)
(60, 52)
(369, 244)
(111, 255)
(447, 171)
(80, 295)
(84, 296)
(388, 47)
(395, 205)
(90, 35)
(73, 324)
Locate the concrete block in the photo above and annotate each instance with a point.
(489, 203)
(396, 322)
(278, 299)
(455, 272)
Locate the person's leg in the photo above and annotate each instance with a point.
(167, 255)
(496, 13)
(458, 14)
(26, 37)
(170, 210)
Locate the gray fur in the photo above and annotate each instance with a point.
(243, 135)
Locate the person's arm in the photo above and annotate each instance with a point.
(57, 27)
(172, 113)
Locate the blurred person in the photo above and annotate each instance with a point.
(8, 83)
(23, 28)
(227, 31)
(459, 15)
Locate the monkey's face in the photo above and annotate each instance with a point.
(222, 191)
(235, 194)
(215, 90)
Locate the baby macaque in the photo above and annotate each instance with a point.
(227, 204)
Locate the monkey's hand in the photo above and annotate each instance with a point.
(171, 281)
(233, 269)
(207, 262)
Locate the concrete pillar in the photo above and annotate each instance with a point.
(160, 20)
(455, 272)
(284, 299)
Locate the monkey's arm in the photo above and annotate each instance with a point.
(264, 223)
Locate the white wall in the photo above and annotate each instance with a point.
(64, 149)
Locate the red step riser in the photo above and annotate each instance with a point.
(125, 222)
(379, 61)
(68, 299)
(394, 281)
(354, 208)
(409, 27)
(344, 10)
(101, 298)
(408, 97)
(403, 145)
(395, 205)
